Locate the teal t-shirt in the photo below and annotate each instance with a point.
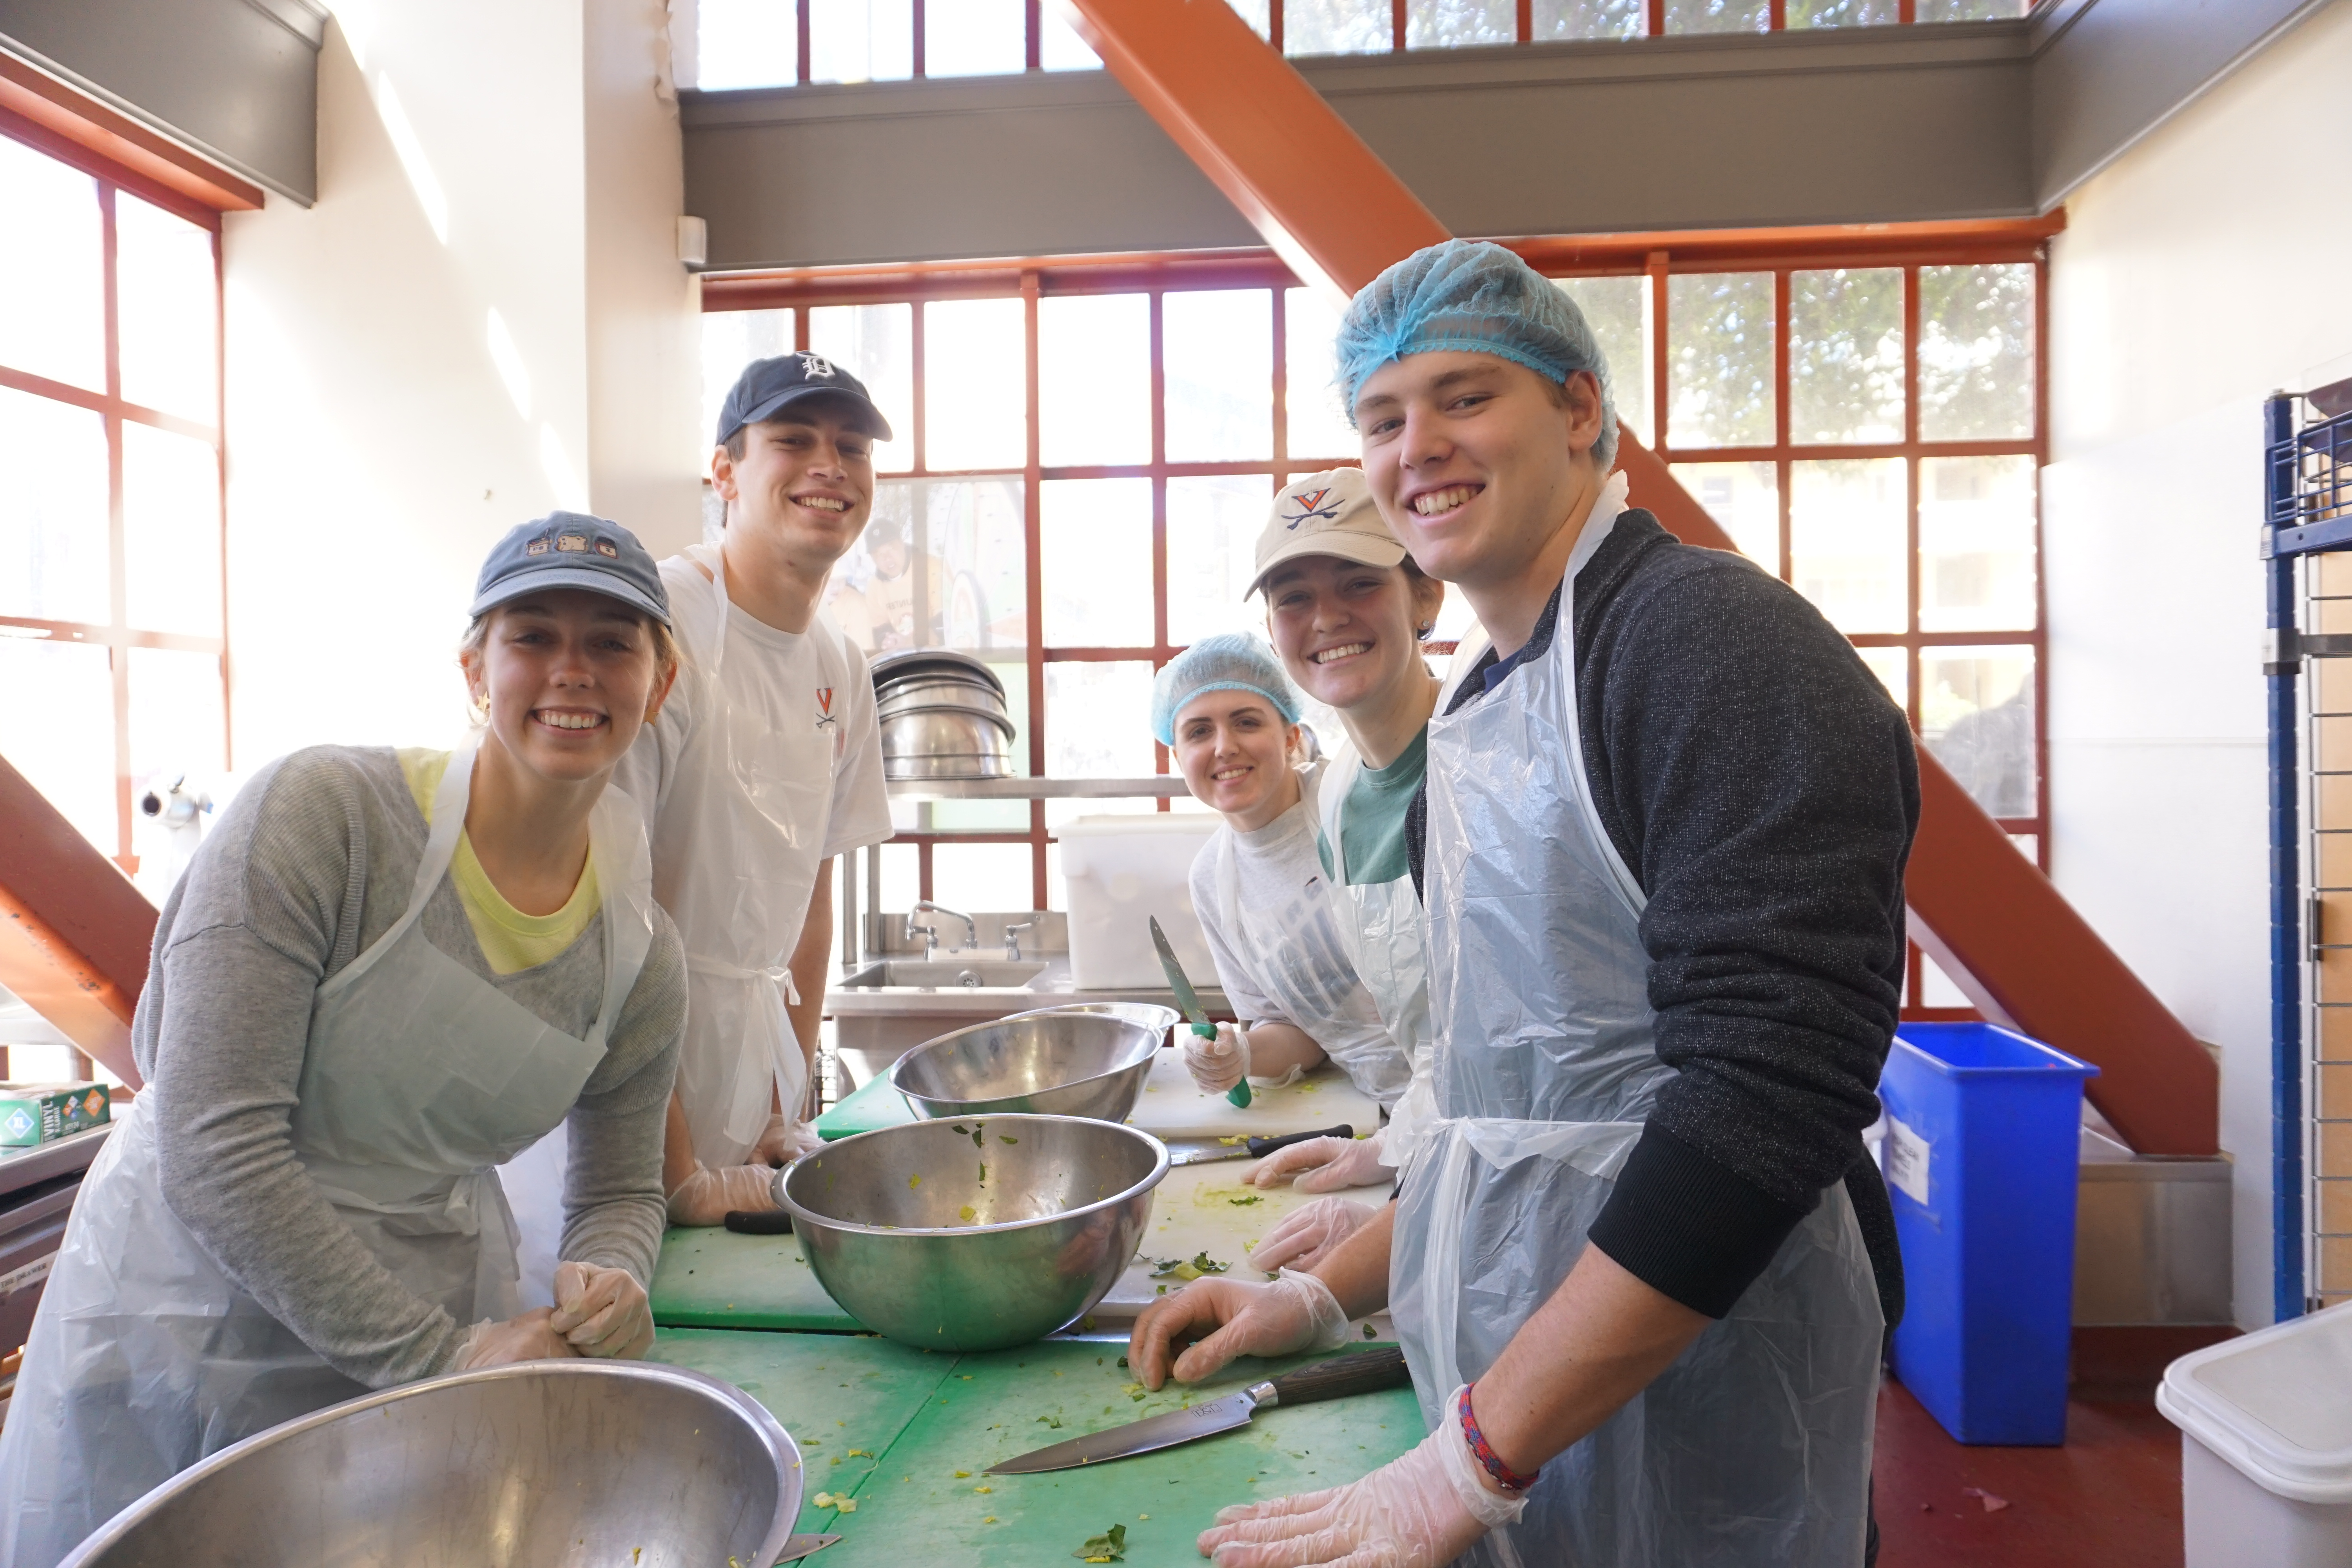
(1373, 822)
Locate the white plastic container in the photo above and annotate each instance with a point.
(2266, 1446)
(1122, 872)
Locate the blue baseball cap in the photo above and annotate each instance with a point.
(767, 387)
(571, 550)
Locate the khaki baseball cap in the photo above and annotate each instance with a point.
(1329, 513)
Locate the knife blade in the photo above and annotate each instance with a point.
(1365, 1372)
(1189, 1001)
(800, 1546)
(1255, 1148)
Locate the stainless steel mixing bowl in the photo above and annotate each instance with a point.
(946, 743)
(1054, 1062)
(975, 1235)
(541, 1464)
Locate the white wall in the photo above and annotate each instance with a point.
(2198, 274)
(376, 448)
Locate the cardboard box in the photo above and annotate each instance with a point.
(40, 1112)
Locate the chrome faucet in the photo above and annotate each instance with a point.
(931, 933)
(1013, 936)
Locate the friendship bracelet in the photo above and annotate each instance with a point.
(1505, 1476)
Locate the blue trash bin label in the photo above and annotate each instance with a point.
(1906, 1157)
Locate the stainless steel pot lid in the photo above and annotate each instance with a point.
(909, 663)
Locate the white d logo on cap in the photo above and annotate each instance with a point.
(817, 365)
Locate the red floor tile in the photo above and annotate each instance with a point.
(2109, 1499)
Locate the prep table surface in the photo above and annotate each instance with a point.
(714, 1278)
(918, 1418)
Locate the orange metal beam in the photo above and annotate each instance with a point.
(68, 112)
(1333, 211)
(74, 932)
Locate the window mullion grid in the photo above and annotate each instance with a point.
(118, 594)
(2041, 590)
(1782, 470)
(1526, 21)
(1160, 651)
(1032, 24)
(916, 67)
(801, 27)
(1033, 542)
(220, 472)
(1659, 355)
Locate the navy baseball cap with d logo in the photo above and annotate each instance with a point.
(769, 386)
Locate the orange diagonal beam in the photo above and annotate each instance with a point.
(1337, 214)
(74, 932)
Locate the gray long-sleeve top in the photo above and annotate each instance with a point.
(312, 862)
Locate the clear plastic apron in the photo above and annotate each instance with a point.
(419, 1077)
(1380, 926)
(754, 801)
(1754, 1447)
(1306, 968)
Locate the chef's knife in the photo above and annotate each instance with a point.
(1366, 1372)
(800, 1546)
(1190, 1000)
(1250, 1147)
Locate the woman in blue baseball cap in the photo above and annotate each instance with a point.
(1229, 716)
(385, 973)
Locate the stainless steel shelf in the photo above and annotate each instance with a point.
(1157, 786)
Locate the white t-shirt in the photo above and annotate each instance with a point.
(1296, 970)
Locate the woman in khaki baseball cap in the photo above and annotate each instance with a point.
(1348, 610)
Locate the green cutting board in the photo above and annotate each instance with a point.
(913, 1507)
(708, 1277)
(868, 1110)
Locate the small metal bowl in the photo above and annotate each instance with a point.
(1051, 1062)
(518, 1465)
(977, 1234)
(946, 743)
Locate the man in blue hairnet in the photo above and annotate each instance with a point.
(1642, 1269)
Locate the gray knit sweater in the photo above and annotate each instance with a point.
(312, 862)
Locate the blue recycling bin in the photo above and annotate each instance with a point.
(1983, 1155)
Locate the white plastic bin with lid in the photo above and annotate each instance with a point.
(1122, 873)
(2266, 1446)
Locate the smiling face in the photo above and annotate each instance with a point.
(1235, 751)
(1478, 462)
(570, 676)
(1348, 632)
(805, 479)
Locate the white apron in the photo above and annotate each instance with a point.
(419, 1077)
(1307, 970)
(756, 802)
(1382, 926)
(1753, 1449)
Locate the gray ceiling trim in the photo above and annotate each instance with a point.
(303, 18)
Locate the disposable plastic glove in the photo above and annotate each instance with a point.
(602, 1312)
(1216, 1065)
(708, 1197)
(784, 1141)
(1292, 1313)
(530, 1337)
(1421, 1510)
(1311, 1232)
(1325, 1164)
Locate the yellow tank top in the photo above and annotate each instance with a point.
(512, 940)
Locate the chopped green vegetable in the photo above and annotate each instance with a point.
(1000, 1138)
(966, 1213)
(978, 1140)
(1245, 1202)
(1110, 1546)
(1370, 1332)
(1053, 1421)
(914, 1181)
(960, 1128)
(983, 1172)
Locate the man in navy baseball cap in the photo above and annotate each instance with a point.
(804, 382)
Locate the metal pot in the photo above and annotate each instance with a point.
(939, 691)
(514, 1465)
(942, 742)
(976, 1234)
(1051, 1062)
(916, 663)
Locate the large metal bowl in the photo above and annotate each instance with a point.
(946, 743)
(977, 1234)
(940, 691)
(1052, 1062)
(904, 664)
(540, 1465)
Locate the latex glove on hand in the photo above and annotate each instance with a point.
(530, 1337)
(1325, 1164)
(1421, 1510)
(708, 1197)
(1311, 1232)
(1216, 1065)
(1292, 1313)
(784, 1141)
(602, 1312)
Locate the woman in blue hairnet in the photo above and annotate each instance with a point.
(1641, 1269)
(1229, 717)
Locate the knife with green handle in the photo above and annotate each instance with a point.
(1365, 1372)
(1247, 1149)
(1190, 1000)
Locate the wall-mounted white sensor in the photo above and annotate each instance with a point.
(693, 241)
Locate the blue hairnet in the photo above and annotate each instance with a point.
(1230, 661)
(1469, 294)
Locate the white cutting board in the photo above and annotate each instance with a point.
(1194, 1212)
(1173, 1106)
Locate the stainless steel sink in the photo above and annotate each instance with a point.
(942, 973)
